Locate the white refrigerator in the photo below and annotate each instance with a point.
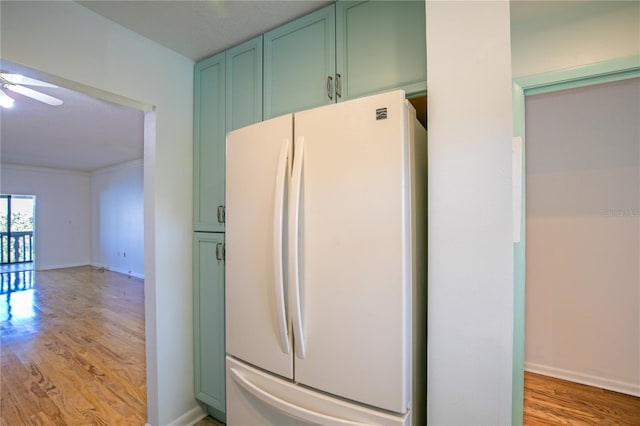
(325, 295)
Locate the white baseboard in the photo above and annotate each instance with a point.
(45, 267)
(585, 379)
(133, 274)
(190, 418)
(50, 267)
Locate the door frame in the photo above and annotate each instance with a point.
(570, 78)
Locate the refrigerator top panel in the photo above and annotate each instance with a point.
(257, 330)
(354, 250)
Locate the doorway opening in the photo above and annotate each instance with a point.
(574, 210)
(67, 207)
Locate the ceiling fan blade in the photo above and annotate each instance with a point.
(34, 94)
(21, 79)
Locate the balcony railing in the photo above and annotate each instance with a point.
(17, 247)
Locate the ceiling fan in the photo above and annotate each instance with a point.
(16, 82)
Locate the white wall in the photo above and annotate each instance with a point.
(118, 218)
(573, 34)
(63, 214)
(66, 40)
(583, 228)
(470, 253)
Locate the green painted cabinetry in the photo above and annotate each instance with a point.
(299, 63)
(380, 46)
(228, 95)
(208, 146)
(208, 310)
(343, 51)
(244, 84)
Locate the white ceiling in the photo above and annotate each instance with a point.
(85, 133)
(198, 29)
(88, 134)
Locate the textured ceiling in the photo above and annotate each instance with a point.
(198, 29)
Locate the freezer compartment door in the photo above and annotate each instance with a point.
(257, 325)
(257, 398)
(354, 247)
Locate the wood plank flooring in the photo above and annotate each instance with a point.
(551, 401)
(72, 353)
(72, 350)
(209, 421)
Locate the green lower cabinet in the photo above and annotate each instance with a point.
(208, 308)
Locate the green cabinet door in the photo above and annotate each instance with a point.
(208, 309)
(208, 144)
(244, 84)
(299, 64)
(380, 45)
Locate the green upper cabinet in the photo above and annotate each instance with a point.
(228, 95)
(346, 50)
(380, 45)
(244, 84)
(299, 64)
(208, 146)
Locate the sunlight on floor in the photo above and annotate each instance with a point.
(17, 306)
(17, 300)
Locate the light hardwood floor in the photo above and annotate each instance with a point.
(72, 353)
(73, 350)
(551, 401)
(209, 421)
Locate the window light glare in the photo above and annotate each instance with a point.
(5, 100)
(16, 78)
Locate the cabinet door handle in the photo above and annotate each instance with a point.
(329, 84)
(221, 214)
(220, 251)
(338, 86)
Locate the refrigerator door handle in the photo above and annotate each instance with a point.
(294, 270)
(277, 246)
(288, 408)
